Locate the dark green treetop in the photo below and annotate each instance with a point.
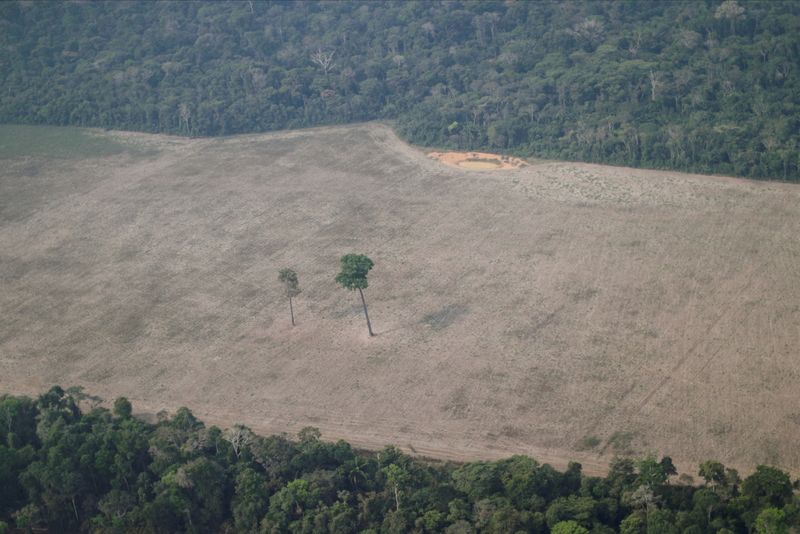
(289, 279)
(355, 268)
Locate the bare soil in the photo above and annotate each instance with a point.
(480, 161)
(562, 310)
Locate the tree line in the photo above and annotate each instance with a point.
(696, 85)
(64, 469)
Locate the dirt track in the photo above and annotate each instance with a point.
(522, 311)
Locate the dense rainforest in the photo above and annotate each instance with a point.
(65, 469)
(696, 85)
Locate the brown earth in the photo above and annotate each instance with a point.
(562, 310)
(480, 161)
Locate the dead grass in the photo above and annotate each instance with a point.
(445, 316)
(523, 311)
(587, 443)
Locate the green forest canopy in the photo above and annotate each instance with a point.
(708, 86)
(105, 471)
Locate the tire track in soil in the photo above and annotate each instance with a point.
(640, 406)
(726, 312)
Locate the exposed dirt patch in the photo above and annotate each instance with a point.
(541, 310)
(479, 161)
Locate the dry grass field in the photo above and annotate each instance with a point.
(563, 310)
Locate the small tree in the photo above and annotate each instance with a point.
(324, 59)
(122, 408)
(730, 10)
(289, 279)
(355, 268)
(397, 477)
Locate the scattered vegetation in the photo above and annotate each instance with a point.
(588, 442)
(63, 470)
(621, 442)
(444, 317)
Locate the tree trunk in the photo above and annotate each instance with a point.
(366, 314)
(189, 518)
(291, 310)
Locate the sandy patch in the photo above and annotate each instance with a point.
(478, 161)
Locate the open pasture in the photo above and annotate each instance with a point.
(563, 310)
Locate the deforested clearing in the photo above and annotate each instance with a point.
(562, 310)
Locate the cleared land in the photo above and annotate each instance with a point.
(561, 310)
(481, 161)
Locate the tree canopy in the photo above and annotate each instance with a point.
(290, 282)
(355, 268)
(711, 86)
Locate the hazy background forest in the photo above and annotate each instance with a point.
(703, 86)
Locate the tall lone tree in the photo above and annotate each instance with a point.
(355, 268)
(289, 279)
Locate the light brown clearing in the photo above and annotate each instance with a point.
(518, 312)
(481, 161)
